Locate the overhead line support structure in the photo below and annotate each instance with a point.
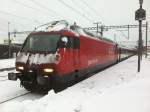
(116, 27)
(105, 28)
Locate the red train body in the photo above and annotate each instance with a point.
(52, 59)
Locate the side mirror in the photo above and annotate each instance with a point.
(64, 39)
(63, 42)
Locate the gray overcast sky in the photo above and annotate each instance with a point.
(26, 14)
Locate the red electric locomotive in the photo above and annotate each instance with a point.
(60, 55)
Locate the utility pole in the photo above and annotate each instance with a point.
(140, 15)
(140, 39)
(9, 42)
(146, 39)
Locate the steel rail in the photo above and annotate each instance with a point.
(1, 102)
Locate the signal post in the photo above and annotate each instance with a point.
(140, 15)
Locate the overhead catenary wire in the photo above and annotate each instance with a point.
(74, 10)
(27, 6)
(43, 6)
(124, 35)
(19, 17)
(47, 13)
(48, 9)
(5, 31)
(92, 9)
(81, 7)
(77, 4)
(20, 24)
(10, 21)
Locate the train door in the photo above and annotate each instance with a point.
(65, 46)
(76, 53)
(70, 53)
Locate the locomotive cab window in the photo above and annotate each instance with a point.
(69, 42)
(63, 42)
(76, 43)
(41, 43)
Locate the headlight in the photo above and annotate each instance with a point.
(20, 67)
(48, 70)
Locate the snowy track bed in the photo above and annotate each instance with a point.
(7, 63)
(14, 97)
(117, 89)
(4, 75)
(7, 69)
(11, 91)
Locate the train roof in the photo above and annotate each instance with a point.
(126, 47)
(63, 26)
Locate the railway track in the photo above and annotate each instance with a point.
(15, 97)
(3, 80)
(7, 69)
(3, 77)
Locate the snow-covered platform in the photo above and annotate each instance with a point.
(117, 89)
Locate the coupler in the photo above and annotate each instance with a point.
(13, 76)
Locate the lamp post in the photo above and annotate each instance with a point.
(140, 15)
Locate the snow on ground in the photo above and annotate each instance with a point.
(4, 75)
(11, 89)
(7, 63)
(117, 89)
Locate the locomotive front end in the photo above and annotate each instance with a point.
(37, 60)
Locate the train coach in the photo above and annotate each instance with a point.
(60, 54)
(125, 52)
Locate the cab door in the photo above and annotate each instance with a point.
(76, 53)
(69, 50)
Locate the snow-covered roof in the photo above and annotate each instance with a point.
(64, 25)
(53, 26)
